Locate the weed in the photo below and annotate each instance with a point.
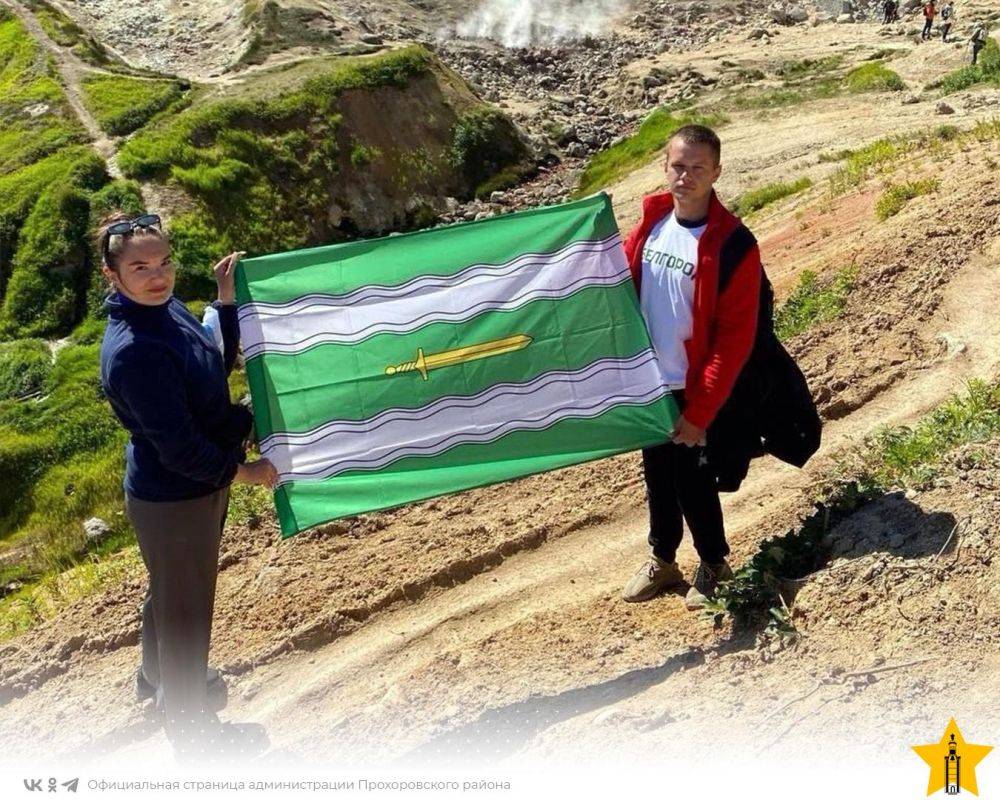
(911, 457)
(758, 198)
(362, 155)
(895, 196)
(873, 77)
(986, 71)
(249, 505)
(813, 303)
(893, 458)
(861, 164)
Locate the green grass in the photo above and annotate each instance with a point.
(761, 196)
(987, 71)
(884, 154)
(863, 163)
(813, 302)
(873, 77)
(35, 119)
(645, 145)
(912, 457)
(122, 104)
(38, 438)
(25, 365)
(484, 142)
(782, 97)
(815, 79)
(45, 598)
(45, 178)
(261, 167)
(40, 249)
(66, 33)
(892, 459)
(895, 196)
(50, 271)
(363, 155)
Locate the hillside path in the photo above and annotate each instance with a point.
(71, 70)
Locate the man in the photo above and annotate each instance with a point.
(947, 18)
(929, 13)
(697, 270)
(888, 11)
(978, 40)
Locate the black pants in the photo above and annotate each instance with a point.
(945, 27)
(975, 51)
(179, 542)
(680, 486)
(926, 33)
(886, 17)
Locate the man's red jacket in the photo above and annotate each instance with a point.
(724, 325)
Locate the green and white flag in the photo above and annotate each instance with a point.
(398, 369)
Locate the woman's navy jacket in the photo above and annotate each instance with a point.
(166, 381)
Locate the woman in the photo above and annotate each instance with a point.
(165, 378)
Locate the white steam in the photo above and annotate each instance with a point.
(520, 23)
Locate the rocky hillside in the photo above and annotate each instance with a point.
(314, 151)
(865, 161)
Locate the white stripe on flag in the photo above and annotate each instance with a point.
(376, 442)
(456, 298)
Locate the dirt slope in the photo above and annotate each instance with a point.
(493, 617)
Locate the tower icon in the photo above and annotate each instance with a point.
(952, 769)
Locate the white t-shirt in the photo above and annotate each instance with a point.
(669, 264)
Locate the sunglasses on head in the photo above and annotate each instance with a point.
(127, 227)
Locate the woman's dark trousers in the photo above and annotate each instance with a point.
(179, 542)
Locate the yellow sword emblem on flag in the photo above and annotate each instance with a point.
(448, 358)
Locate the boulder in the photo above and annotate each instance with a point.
(96, 529)
(845, 19)
(797, 14)
(943, 108)
(779, 13)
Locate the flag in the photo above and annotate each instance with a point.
(398, 369)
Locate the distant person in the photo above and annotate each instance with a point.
(685, 241)
(930, 11)
(165, 378)
(888, 11)
(947, 18)
(978, 40)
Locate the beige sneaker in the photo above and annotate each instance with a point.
(706, 579)
(655, 576)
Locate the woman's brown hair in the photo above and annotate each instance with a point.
(111, 246)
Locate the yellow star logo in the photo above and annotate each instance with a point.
(952, 761)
